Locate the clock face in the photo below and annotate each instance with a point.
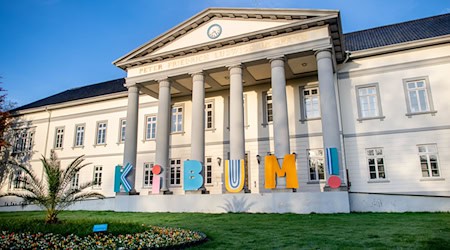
(214, 31)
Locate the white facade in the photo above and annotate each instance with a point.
(375, 113)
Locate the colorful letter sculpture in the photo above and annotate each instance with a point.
(193, 180)
(120, 178)
(234, 175)
(288, 169)
(156, 183)
(333, 167)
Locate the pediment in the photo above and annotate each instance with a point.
(231, 26)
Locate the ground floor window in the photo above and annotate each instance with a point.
(208, 170)
(175, 172)
(315, 164)
(428, 155)
(375, 161)
(97, 176)
(76, 181)
(148, 174)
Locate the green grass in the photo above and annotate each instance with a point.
(263, 231)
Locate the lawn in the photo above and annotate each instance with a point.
(263, 231)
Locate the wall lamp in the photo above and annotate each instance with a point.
(219, 161)
(258, 158)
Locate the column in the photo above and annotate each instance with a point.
(163, 131)
(279, 107)
(130, 148)
(328, 103)
(237, 139)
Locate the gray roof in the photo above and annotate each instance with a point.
(419, 29)
(88, 91)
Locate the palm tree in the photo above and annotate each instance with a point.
(55, 193)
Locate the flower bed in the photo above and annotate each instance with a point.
(154, 237)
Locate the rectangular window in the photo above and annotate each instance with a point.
(428, 155)
(148, 174)
(375, 161)
(123, 126)
(209, 115)
(268, 107)
(311, 103)
(175, 172)
(98, 176)
(101, 133)
(315, 164)
(79, 135)
(368, 100)
(18, 181)
(150, 127)
(418, 95)
(177, 119)
(208, 170)
(23, 140)
(75, 181)
(59, 137)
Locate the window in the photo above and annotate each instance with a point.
(311, 103)
(123, 126)
(150, 128)
(418, 96)
(59, 137)
(148, 174)
(428, 156)
(375, 161)
(97, 176)
(23, 140)
(101, 133)
(18, 180)
(76, 181)
(315, 164)
(79, 135)
(368, 100)
(177, 119)
(175, 172)
(209, 115)
(267, 105)
(208, 170)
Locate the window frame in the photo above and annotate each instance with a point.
(177, 106)
(122, 130)
(23, 140)
(55, 146)
(265, 103)
(147, 167)
(375, 157)
(212, 109)
(316, 168)
(75, 180)
(146, 138)
(99, 177)
(97, 133)
(302, 98)
(210, 171)
(177, 167)
(429, 99)
(378, 104)
(76, 135)
(427, 154)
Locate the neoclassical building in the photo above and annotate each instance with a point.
(261, 110)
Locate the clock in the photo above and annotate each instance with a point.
(214, 31)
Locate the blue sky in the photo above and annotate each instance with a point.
(48, 46)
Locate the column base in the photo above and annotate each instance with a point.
(327, 188)
(200, 191)
(128, 193)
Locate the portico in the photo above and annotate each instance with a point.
(227, 51)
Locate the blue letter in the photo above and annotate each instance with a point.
(193, 180)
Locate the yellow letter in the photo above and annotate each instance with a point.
(272, 170)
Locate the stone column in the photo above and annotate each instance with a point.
(198, 118)
(163, 131)
(130, 148)
(237, 138)
(279, 108)
(328, 103)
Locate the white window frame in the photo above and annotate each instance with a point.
(377, 154)
(23, 140)
(174, 128)
(77, 133)
(428, 97)
(122, 130)
(175, 172)
(16, 180)
(303, 106)
(313, 164)
(268, 119)
(75, 183)
(208, 170)
(152, 124)
(430, 150)
(59, 137)
(211, 110)
(148, 174)
(376, 106)
(99, 131)
(97, 177)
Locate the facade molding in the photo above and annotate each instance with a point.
(398, 131)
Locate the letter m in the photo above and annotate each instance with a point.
(272, 170)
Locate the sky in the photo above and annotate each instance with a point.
(49, 46)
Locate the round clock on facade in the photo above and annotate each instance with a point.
(214, 31)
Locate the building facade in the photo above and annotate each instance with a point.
(361, 114)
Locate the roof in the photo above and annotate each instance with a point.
(419, 29)
(98, 89)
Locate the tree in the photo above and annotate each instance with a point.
(6, 136)
(55, 193)
(4, 117)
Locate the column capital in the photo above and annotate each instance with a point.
(276, 58)
(197, 75)
(232, 66)
(164, 82)
(322, 53)
(277, 61)
(134, 88)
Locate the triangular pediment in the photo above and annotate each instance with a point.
(217, 27)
